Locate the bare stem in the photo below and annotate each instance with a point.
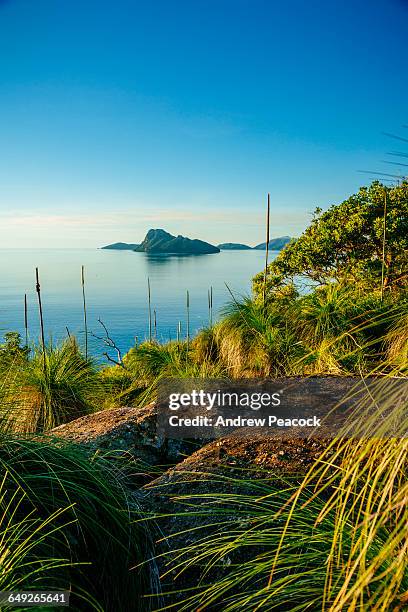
(26, 319)
(38, 290)
(267, 246)
(188, 317)
(383, 246)
(150, 308)
(84, 307)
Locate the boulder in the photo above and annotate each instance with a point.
(126, 431)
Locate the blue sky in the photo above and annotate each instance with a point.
(120, 116)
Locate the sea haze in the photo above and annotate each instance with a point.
(116, 290)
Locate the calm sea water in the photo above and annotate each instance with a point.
(116, 290)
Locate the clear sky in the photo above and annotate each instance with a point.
(124, 115)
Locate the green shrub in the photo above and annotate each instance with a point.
(48, 390)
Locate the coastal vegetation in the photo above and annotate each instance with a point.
(332, 537)
(363, 241)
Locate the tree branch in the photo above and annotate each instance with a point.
(110, 343)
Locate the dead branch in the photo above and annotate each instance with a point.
(111, 344)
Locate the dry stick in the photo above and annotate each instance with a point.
(38, 290)
(155, 324)
(84, 306)
(383, 246)
(178, 332)
(188, 316)
(267, 247)
(150, 309)
(211, 305)
(26, 319)
(69, 335)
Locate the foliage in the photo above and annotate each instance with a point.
(345, 243)
(119, 387)
(335, 329)
(11, 351)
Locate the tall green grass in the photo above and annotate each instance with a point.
(333, 330)
(256, 341)
(335, 540)
(42, 393)
(369, 492)
(27, 542)
(68, 522)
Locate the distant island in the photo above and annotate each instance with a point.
(121, 246)
(233, 246)
(161, 242)
(275, 244)
(158, 241)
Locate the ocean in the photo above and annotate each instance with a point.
(116, 291)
